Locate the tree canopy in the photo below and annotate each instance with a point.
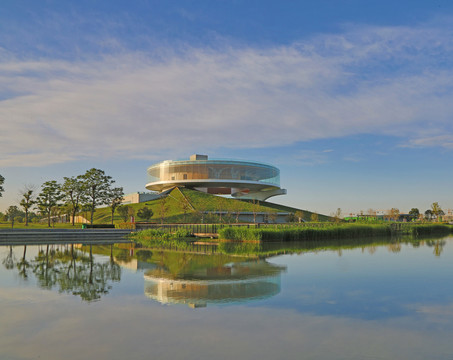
(97, 186)
(49, 198)
(28, 200)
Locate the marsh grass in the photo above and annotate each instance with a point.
(162, 238)
(341, 231)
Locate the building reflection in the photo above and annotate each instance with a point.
(229, 283)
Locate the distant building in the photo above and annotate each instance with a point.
(240, 179)
(139, 197)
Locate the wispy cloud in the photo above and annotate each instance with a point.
(394, 81)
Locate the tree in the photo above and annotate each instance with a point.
(115, 197)
(131, 213)
(163, 207)
(28, 200)
(337, 216)
(436, 209)
(415, 213)
(236, 207)
(2, 179)
(255, 209)
(395, 214)
(273, 216)
(392, 214)
(74, 194)
(145, 213)
(185, 207)
(123, 211)
(441, 213)
(314, 217)
(428, 214)
(12, 212)
(299, 214)
(49, 198)
(97, 186)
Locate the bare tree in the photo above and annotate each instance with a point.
(236, 207)
(163, 208)
(114, 197)
(393, 214)
(255, 209)
(185, 206)
(337, 215)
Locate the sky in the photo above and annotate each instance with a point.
(350, 99)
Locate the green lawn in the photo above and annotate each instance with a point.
(194, 203)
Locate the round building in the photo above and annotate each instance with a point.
(241, 179)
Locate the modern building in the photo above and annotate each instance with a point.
(240, 179)
(138, 197)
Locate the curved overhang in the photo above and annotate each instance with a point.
(164, 185)
(241, 179)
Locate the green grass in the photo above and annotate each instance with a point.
(160, 238)
(199, 202)
(38, 226)
(342, 231)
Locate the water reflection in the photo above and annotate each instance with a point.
(237, 272)
(228, 283)
(371, 300)
(68, 269)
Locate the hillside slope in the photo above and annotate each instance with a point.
(182, 205)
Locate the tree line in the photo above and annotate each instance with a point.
(393, 214)
(82, 192)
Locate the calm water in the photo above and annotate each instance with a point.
(376, 301)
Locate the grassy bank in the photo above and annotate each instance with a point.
(160, 238)
(346, 231)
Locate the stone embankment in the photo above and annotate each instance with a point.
(46, 236)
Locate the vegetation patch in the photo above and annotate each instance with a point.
(346, 231)
(161, 238)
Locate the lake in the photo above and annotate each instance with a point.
(386, 299)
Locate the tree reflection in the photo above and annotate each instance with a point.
(438, 246)
(67, 269)
(9, 260)
(23, 265)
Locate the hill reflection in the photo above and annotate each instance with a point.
(228, 283)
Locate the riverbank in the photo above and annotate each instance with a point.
(243, 240)
(44, 236)
(346, 231)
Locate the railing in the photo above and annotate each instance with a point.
(192, 228)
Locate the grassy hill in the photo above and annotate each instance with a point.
(183, 205)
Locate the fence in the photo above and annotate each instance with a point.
(192, 228)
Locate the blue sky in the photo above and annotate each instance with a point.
(350, 99)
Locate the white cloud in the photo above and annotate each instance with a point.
(367, 80)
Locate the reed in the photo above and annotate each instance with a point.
(346, 231)
(160, 238)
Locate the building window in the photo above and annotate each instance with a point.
(184, 176)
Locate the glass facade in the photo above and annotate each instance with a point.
(214, 170)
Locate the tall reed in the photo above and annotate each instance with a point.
(350, 231)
